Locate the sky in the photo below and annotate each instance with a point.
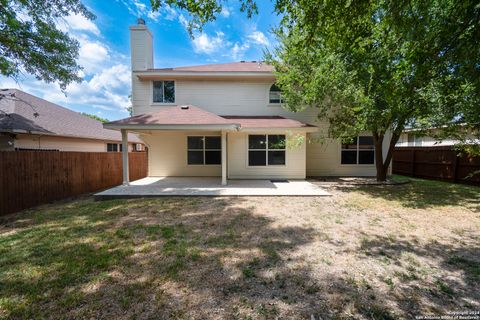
(105, 50)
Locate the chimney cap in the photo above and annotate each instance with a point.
(140, 21)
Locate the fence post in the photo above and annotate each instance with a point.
(413, 163)
(455, 166)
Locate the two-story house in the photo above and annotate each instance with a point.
(227, 120)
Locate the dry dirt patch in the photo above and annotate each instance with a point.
(372, 252)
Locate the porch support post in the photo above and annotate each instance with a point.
(224, 158)
(125, 156)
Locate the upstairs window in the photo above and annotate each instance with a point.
(275, 95)
(266, 150)
(164, 91)
(360, 151)
(204, 150)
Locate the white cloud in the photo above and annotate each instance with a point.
(204, 43)
(93, 56)
(141, 7)
(106, 73)
(238, 50)
(80, 23)
(225, 12)
(106, 90)
(259, 38)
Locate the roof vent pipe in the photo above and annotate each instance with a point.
(140, 21)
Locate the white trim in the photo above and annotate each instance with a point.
(270, 129)
(358, 153)
(152, 103)
(266, 151)
(224, 157)
(152, 75)
(232, 126)
(203, 149)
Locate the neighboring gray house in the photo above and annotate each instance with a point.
(28, 122)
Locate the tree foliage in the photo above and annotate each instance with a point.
(204, 11)
(377, 66)
(95, 117)
(31, 42)
(381, 65)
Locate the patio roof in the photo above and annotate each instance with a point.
(267, 122)
(192, 117)
(176, 117)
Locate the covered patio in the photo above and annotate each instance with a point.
(187, 141)
(210, 186)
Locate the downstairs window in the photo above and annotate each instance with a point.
(360, 151)
(266, 150)
(204, 150)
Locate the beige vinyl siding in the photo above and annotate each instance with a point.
(237, 146)
(167, 155)
(250, 98)
(30, 141)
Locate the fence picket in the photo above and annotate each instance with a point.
(30, 178)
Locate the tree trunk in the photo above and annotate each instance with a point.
(381, 164)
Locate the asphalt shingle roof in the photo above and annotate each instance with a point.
(192, 115)
(25, 112)
(241, 66)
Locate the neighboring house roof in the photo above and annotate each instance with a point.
(25, 113)
(241, 66)
(192, 117)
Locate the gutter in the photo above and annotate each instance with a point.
(232, 126)
(149, 75)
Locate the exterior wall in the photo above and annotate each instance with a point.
(167, 155)
(324, 159)
(62, 143)
(141, 47)
(250, 98)
(237, 159)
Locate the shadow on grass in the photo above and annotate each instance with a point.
(422, 194)
(419, 267)
(175, 258)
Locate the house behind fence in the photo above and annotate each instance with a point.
(30, 178)
(28, 122)
(438, 163)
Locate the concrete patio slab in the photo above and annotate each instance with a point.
(210, 186)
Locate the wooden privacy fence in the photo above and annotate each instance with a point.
(438, 163)
(29, 178)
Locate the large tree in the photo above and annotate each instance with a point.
(379, 66)
(375, 66)
(31, 42)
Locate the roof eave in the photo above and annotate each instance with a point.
(114, 126)
(151, 75)
(272, 129)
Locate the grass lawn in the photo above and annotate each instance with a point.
(368, 252)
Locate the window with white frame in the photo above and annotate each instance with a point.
(163, 91)
(360, 151)
(275, 95)
(266, 150)
(204, 150)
